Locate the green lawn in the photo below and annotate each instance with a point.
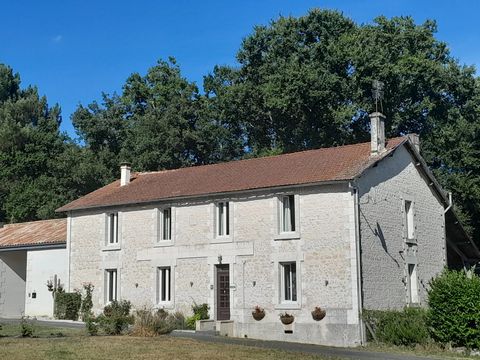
(64, 343)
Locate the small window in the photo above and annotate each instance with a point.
(409, 220)
(223, 218)
(111, 280)
(163, 284)
(113, 228)
(287, 221)
(288, 282)
(167, 224)
(412, 284)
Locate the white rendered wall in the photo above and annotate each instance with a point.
(43, 265)
(12, 283)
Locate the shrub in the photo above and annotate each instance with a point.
(116, 317)
(405, 327)
(87, 303)
(454, 314)
(26, 327)
(91, 326)
(151, 323)
(67, 305)
(200, 312)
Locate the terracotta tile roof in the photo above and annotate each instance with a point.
(44, 232)
(311, 166)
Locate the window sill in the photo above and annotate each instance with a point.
(288, 306)
(222, 239)
(164, 305)
(111, 248)
(163, 243)
(411, 241)
(287, 236)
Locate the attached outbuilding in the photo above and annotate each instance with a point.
(31, 254)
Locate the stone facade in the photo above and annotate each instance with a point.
(386, 252)
(323, 247)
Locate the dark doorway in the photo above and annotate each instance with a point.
(223, 292)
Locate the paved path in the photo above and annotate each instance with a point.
(335, 352)
(52, 323)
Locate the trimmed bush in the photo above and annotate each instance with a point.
(454, 314)
(26, 327)
(407, 327)
(67, 305)
(115, 318)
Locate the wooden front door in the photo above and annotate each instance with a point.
(223, 292)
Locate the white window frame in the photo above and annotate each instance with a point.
(409, 215)
(159, 285)
(293, 283)
(222, 226)
(159, 227)
(113, 237)
(111, 275)
(412, 284)
(280, 233)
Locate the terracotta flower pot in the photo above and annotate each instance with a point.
(258, 315)
(318, 313)
(287, 319)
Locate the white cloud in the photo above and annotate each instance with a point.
(57, 38)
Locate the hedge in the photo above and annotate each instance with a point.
(67, 305)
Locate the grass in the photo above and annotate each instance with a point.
(428, 350)
(52, 343)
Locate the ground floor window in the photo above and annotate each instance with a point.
(163, 284)
(111, 285)
(412, 284)
(288, 282)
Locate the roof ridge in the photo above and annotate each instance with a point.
(259, 158)
(31, 222)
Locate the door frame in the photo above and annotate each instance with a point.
(226, 268)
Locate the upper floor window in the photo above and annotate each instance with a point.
(287, 219)
(409, 224)
(288, 282)
(111, 285)
(223, 218)
(167, 224)
(113, 228)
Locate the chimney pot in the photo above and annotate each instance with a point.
(377, 133)
(125, 169)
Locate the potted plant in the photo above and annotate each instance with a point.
(286, 318)
(258, 313)
(318, 313)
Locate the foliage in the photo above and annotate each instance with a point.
(200, 312)
(87, 304)
(67, 305)
(116, 317)
(26, 327)
(150, 323)
(300, 83)
(454, 314)
(399, 327)
(91, 325)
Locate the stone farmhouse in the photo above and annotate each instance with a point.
(344, 229)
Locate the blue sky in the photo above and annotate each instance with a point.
(74, 50)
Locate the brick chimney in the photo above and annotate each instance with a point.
(377, 133)
(125, 169)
